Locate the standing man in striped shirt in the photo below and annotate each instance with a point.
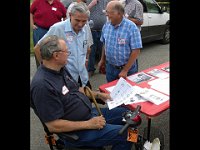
(122, 43)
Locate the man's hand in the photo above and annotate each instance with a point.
(97, 122)
(103, 96)
(86, 63)
(123, 74)
(101, 66)
(34, 27)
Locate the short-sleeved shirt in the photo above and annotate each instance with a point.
(97, 14)
(134, 9)
(45, 14)
(56, 96)
(77, 45)
(90, 39)
(120, 41)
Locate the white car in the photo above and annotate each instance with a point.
(156, 22)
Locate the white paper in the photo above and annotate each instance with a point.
(166, 69)
(161, 85)
(124, 93)
(135, 96)
(120, 93)
(159, 73)
(154, 96)
(140, 77)
(109, 89)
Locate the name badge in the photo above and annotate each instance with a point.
(53, 8)
(121, 41)
(70, 38)
(64, 90)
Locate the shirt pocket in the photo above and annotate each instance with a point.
(84, 46)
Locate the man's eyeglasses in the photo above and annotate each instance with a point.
(106, 12)
(64, 51)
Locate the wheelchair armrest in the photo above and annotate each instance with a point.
(68, 136)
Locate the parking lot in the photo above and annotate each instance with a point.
(152, 54)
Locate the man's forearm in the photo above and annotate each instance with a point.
(136, 21)
(59, 125)
(103, 55)
(92, 4)
(132, 58)
(37, 52)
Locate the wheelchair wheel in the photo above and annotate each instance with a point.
(155, 133)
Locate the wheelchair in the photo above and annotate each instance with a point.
(56, 140)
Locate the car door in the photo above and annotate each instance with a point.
(145, 26)
(156, 18)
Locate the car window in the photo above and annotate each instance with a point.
(152, 7)
(144, 5)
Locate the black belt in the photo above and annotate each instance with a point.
(118, 67)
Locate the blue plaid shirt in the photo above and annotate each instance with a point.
(120, 41)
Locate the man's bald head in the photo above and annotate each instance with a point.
(114, 12)
(115, 6)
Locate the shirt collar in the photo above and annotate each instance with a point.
(116, 26)
(68, 27)
(52, 71)
(48, 2)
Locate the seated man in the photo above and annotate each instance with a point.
(63, 106)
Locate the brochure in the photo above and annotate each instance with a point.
(159, 73)
(140, 77)
(124, 93)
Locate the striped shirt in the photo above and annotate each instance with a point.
(120, 41)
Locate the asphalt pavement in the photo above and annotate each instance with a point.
(151, 55)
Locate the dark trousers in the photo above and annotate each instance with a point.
(96, 49)
(112, 73)
(109, 135)
(37, 35)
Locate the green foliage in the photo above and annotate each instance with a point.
(31, 39)
(31, 42)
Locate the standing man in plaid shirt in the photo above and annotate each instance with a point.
(122, 43)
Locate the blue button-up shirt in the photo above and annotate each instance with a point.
(77, 45)
(120, 41)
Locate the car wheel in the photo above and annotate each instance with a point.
(166, 36)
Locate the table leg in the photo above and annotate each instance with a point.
(148, 128)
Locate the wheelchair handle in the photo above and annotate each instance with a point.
(130, 120)
(136, 111)
(123, 129)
